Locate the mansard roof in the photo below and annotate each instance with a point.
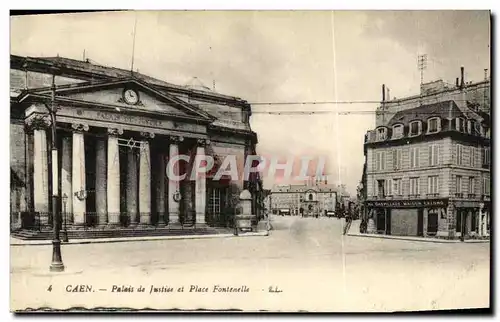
(444, 110)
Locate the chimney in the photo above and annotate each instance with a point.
(383, 92)
(457, 83)
(486, 74)
(388, 94)
(462, 80)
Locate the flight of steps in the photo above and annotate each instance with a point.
(121, 232)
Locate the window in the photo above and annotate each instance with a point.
(486, 156)
(380, 161)
(470, 126)
(381, 134)
(486, 186)
(397, 188)
(433, 125)
(310, 197)
(414, 157)
(459, 149)
(397, 159)
(397, 131)
(433, 154)
(471, 186)
(460, 124)
(214, 201)
(472, 156)
(381, 188)
(415, 128)
(414, 189)
(433, 185)
(389, 187)
(458, 184)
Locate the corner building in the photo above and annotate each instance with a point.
(428, 168)
(116, 132)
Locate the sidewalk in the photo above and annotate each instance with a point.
(21, 242)
(419, 239)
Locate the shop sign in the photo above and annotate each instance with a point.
(408, 203)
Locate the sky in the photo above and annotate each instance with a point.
(280, 56)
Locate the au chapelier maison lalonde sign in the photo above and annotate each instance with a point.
(409, 203)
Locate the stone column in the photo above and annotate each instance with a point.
(480, 222)
(451, 215)
(113, 176)
(66, 181)
(79, 194)
(200, 187)
(174, 185)
(100, 183)
(160, 189)
(40, 168)
(145, 180)
(132, 186)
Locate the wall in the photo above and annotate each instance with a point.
(18, 164)
(405, 172)
(404, 222)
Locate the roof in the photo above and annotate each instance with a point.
(114, 72)
(444, 110)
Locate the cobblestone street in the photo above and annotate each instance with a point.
(309, 260)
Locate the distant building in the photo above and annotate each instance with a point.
(427, 170)
(319, 199)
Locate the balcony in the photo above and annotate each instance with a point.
(459, 194)
(432, 195)
(416, 196)
(471, 196)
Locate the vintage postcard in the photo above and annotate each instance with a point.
(256, 161)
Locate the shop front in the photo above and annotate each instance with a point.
(422, 217)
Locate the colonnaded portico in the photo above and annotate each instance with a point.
(115, 177)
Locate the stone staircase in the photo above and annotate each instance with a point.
(89, 233)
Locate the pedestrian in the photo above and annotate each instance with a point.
(348, 221)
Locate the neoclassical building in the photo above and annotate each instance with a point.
(427, 163)
(115, 133)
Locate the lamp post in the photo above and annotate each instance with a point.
(64, 200)
(57, 263)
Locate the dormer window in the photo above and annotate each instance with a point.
(460, 124)
(470, 126)
(433, 125)
(397, 131)
(381, 134)
(415, 128)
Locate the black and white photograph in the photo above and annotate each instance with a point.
(250, 161)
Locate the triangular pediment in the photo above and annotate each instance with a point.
(129, 94)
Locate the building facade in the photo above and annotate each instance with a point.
(428, 166)
(304, 200)
(115, 134)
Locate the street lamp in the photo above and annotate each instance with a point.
(57, 263)
(64, 200)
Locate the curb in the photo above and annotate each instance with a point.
(136, 239)
(420, 239)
